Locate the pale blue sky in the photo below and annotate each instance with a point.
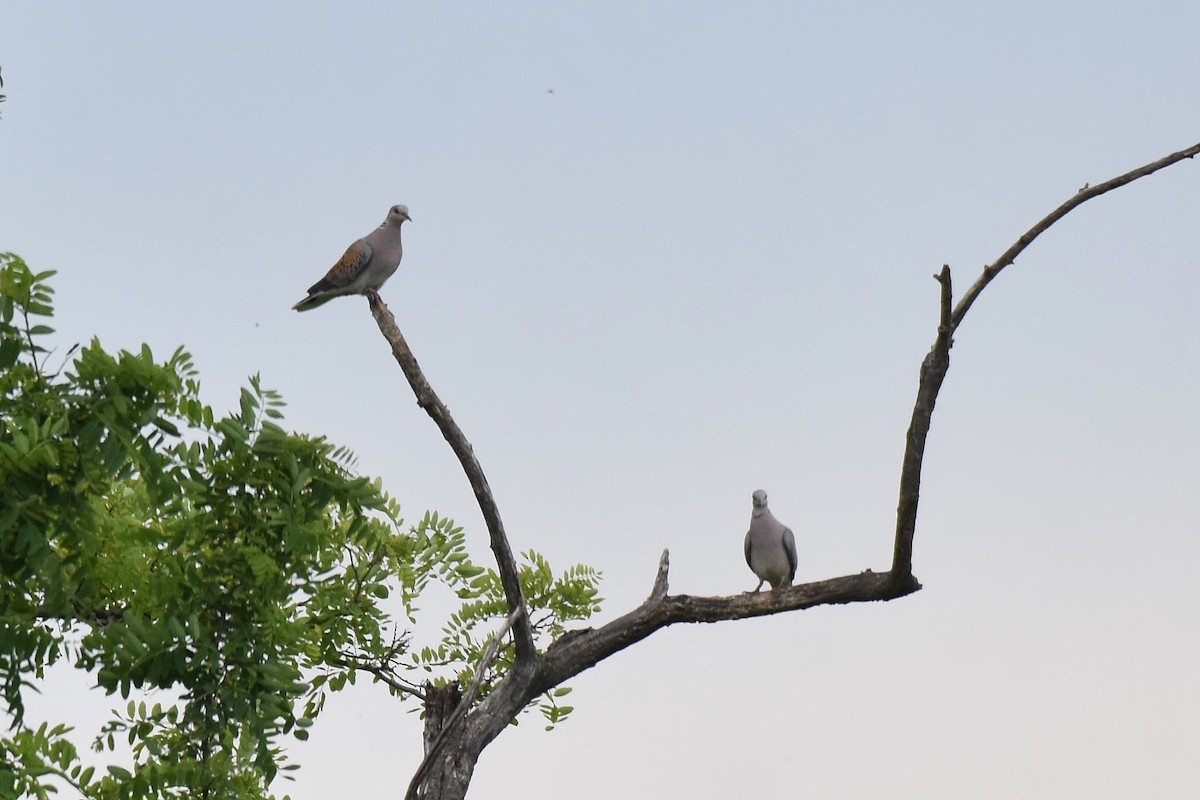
(699, 266)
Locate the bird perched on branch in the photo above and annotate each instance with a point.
(770, 546)
(366, 265)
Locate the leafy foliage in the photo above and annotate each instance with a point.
(243, 568)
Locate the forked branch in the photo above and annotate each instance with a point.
(937, 362)
(578, 650)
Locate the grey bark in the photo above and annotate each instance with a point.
(440, 704)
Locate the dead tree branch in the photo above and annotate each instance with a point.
(933, 372)
(582, 650)
(467, 731)
(937, 362)
(428, 400)
(1080, 197)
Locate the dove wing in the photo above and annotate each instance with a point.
(348, 267)
(789, 547)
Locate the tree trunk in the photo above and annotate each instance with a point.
(441, 781)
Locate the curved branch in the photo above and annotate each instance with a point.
(428, 400)
(1082, 196)
(935, 365)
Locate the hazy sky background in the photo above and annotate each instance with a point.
(665, 254)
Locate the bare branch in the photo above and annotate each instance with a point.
(659, 590)
(383, 674)
(1082, 196)
(933, 373)
(943, 277)
(581, 650)
(937, 362)
(489, 654)
(428, 400)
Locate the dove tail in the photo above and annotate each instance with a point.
(311, 302)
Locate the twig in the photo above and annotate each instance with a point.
(33, 348)
(383, 675)
(489, 654)
(428, 400)
(1082, 196)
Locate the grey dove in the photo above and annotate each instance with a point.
(366, 264)
(770, 546)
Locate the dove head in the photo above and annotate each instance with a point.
(397, 215)
(760, 500)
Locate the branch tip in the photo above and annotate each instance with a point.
(945, 327)
(659, 590)
(1082, 196)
